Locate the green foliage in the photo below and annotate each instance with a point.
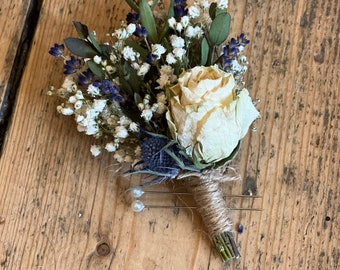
(204, 51)
(94, 42)
(133, 5)
(171, 14)
(131, 77)
(96, 69)
(106, 50)
(82, 29)
(138, 99)
(148, 20)
(219, 29)
(80, 47)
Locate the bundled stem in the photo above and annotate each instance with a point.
(214, 211)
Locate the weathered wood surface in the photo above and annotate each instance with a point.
(62, 209)
(13, 41)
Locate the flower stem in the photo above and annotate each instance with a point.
(226, 246)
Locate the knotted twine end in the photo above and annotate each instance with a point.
(213, 209)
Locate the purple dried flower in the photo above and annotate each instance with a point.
(113, 93)
(57, 50)
(71, 66)
(85, 77)
(180, 9)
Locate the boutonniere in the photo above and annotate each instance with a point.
(166, 94)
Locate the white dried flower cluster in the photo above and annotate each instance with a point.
(125, 31)
(148, 110)
(128, 53)
(166, 76)
(96, 116)
(190, 30)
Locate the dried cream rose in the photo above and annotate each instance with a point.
(206, 116)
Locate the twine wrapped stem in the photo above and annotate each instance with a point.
(213, 209)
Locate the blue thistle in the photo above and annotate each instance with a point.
(161, 158)
(154, 156)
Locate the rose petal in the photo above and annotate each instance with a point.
(218, 136)
(246, 112)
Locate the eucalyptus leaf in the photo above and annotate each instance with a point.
(138, 98)
(80, 47)
(148, 20)
(131, 77)
(82, 29)
(106, 50)
(171, 11)
(219, 29)
(125, 86)
(204, 51)
(219, 11)
(96, 69)
(95, 42)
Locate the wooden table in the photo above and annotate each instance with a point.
(62, 209)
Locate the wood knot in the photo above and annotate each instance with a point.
(2, 220)
(103, 249)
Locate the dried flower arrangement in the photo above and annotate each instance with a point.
(167, 95)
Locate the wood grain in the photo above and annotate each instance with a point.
(63, 209)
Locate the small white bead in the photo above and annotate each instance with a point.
(136, 192)
(137, 206)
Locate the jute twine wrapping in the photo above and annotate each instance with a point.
(207, 193)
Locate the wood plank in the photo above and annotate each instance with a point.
(59, 205)
(13, 38)
(294, 70)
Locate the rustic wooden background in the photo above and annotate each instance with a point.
(62, 209)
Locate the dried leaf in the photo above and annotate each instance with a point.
(95, 42)
(219, 29)
(82, 29)
(80, 47)
(96, 69)
(148, 20)
(204, 51)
